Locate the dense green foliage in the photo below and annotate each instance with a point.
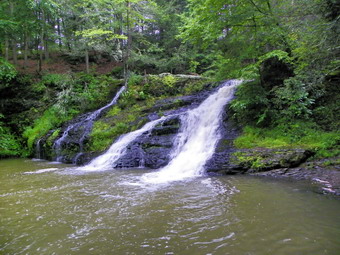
(239, 33)
(9, 145)
(7, 73)
(139, 34)
(288, 51)
(82, 94)
(49, 102)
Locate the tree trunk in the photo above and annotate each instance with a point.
(6, 49)
(59, 33)
(14, 43)
(41, 45)
(129, 43)
(14, 52)
(66, 34)
(47, 54)
(87, 62)
(26, 49)
(41, 50)
(40, 60)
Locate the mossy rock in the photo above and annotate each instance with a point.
(256, 160)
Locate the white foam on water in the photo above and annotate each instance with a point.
(40, 171)
(84, 124)
(37, 159)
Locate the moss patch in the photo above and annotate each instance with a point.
(116, 122)
(299, 135)
(267, 159)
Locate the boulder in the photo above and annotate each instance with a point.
(151, 149)
(261, 159)
(225, 147)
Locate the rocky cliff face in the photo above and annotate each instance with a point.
(152, 149)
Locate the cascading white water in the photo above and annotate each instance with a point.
(96, 113)
(57, 146)
(118, 149)
(196, 142)
(38, 153)
(84, 126)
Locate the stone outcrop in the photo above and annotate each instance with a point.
(225, 148)
(151, 149)
(324, 174)
(259, 160)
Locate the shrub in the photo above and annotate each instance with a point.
(7, 73)
(118, 72)
(135, 79)
(160, 85)
(9, 145)
(50, 119)
(252, 105)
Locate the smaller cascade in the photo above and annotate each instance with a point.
(76, 158)
(197, 139)
(106, 161)
(57, 146)
(82, 127)
(38, 151)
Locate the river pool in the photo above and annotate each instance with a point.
(48, 208)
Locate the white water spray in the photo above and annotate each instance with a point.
(198, 137)
(118, 149)
(84, 126)
(96, 113)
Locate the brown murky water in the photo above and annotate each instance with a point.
(56, 209)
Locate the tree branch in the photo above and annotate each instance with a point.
(258, 8)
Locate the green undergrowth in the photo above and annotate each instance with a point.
(9, 145)
(142, 88)
(7, 73)
(331, 162)
(116, 122)
(297, 135)
(51, 118)
(70, 96)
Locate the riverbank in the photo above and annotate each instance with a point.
(319, 172)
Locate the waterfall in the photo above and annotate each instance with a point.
(197, 139)
(193, 146)
(83, 126)
(57, 146)
(96, 113)
(118, 149)
(38, 152)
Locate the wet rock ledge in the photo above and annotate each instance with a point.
(261, 159)
(282, 163)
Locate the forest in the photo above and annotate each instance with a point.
(60, 59)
